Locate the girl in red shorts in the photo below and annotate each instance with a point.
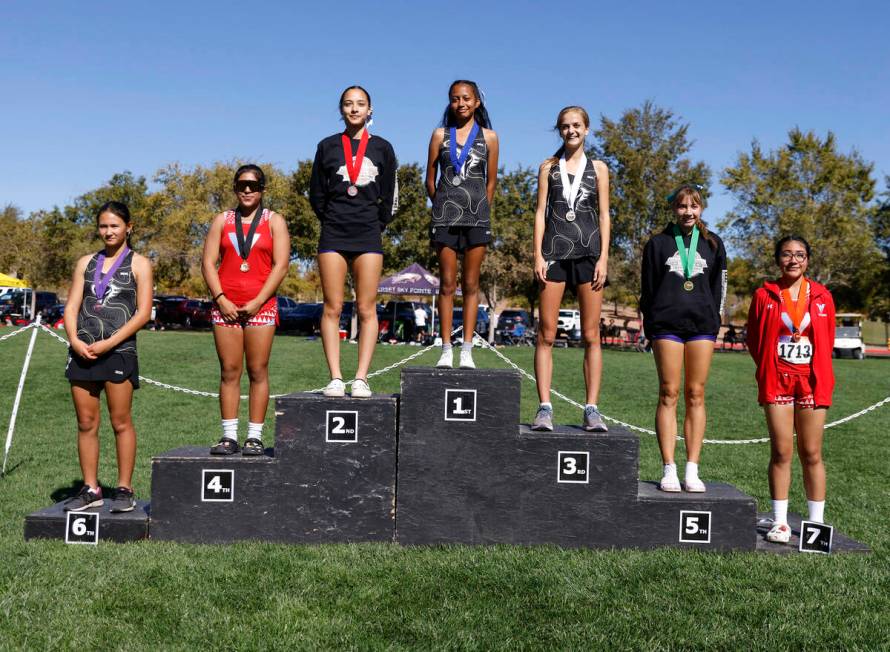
(254, 248)
(791, 337)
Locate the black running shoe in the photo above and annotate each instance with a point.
(122, 500)
(85, 499)
(225, 446)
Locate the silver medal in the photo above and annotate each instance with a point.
(352, 191)
(570, 215)
(245, 267)
(456, 181)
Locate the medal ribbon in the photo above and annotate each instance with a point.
(796, 309)
(687, 256)
(570, 191)
(244, 245)
(459, 158)
(353, 168)
(100, 280)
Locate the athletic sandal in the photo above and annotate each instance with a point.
(253, 446)
(695, 486)
(670, 484)
(225, 446)
(779, 533)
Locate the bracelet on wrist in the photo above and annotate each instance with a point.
(218, 296)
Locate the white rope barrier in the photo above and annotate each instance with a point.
(508, 361)
(18, 331)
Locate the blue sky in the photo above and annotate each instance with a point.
(94, 88)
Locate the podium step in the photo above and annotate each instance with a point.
(50, 523)
(331, 478)
(722, 518)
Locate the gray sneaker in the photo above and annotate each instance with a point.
(593, 420)
(122, 500)
(543, 419)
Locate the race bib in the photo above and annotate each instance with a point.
(800, 352)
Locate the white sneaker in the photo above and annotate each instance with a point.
(694, 486)
(360, 388)
(446, 360)
(466, 359)
(779, 533)
(670, 483)
(335, 388)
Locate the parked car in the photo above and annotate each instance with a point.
(171, 310)
(304, 319)
(53, 314)
(568, 325)
(16, 303)
(197, 313)
(848, 335)
(512, 326)
(482, 321)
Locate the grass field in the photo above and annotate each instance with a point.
(174, 596)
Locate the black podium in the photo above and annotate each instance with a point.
(330, 478)
(469, 473)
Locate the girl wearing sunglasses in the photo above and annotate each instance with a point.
(109, 302)
(354, 192)
(791, 337)
(683, 289)
(252, 247)
(571, 244)
(464, 151)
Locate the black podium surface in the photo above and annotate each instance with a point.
(50, 523)
(331, 477)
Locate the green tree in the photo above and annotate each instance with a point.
(14, 231)
(646, 152)
(809, 188)
(407, 238)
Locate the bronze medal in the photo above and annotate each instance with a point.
(688, 285)
(795, 336)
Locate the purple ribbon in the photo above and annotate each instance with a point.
(100, 280)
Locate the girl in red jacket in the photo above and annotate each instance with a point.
(790, 337)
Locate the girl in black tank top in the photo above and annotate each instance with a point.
(571, 247)
(109, 301)
(464, 150)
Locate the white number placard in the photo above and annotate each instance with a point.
(800, 352)
(82, 527)
(217, 485)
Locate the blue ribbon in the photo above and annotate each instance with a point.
(458, 161)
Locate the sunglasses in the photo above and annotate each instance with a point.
(249, 185)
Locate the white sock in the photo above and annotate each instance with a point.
(466, 346)
(780, 511)
(670, 470)
(446, 348)
(230, 429)
(692, 470)
(591, 405)
(547, 405)
(816, 509)
(254, 430)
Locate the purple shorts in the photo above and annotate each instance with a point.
(682, 339)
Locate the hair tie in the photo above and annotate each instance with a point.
(695, 186)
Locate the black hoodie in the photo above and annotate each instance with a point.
(666, 306)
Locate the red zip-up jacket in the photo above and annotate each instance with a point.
(764, 322)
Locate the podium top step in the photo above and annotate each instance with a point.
(718, 492)
(313, 396)
(416, 372)
(616, 433)
(192, 453)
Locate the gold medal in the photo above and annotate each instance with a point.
(688, 285)
(245, 267)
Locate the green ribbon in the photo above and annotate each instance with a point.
(687, 260)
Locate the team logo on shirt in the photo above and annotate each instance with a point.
(366, 175)
(676, 266)
(234, 240)
(821, 307)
